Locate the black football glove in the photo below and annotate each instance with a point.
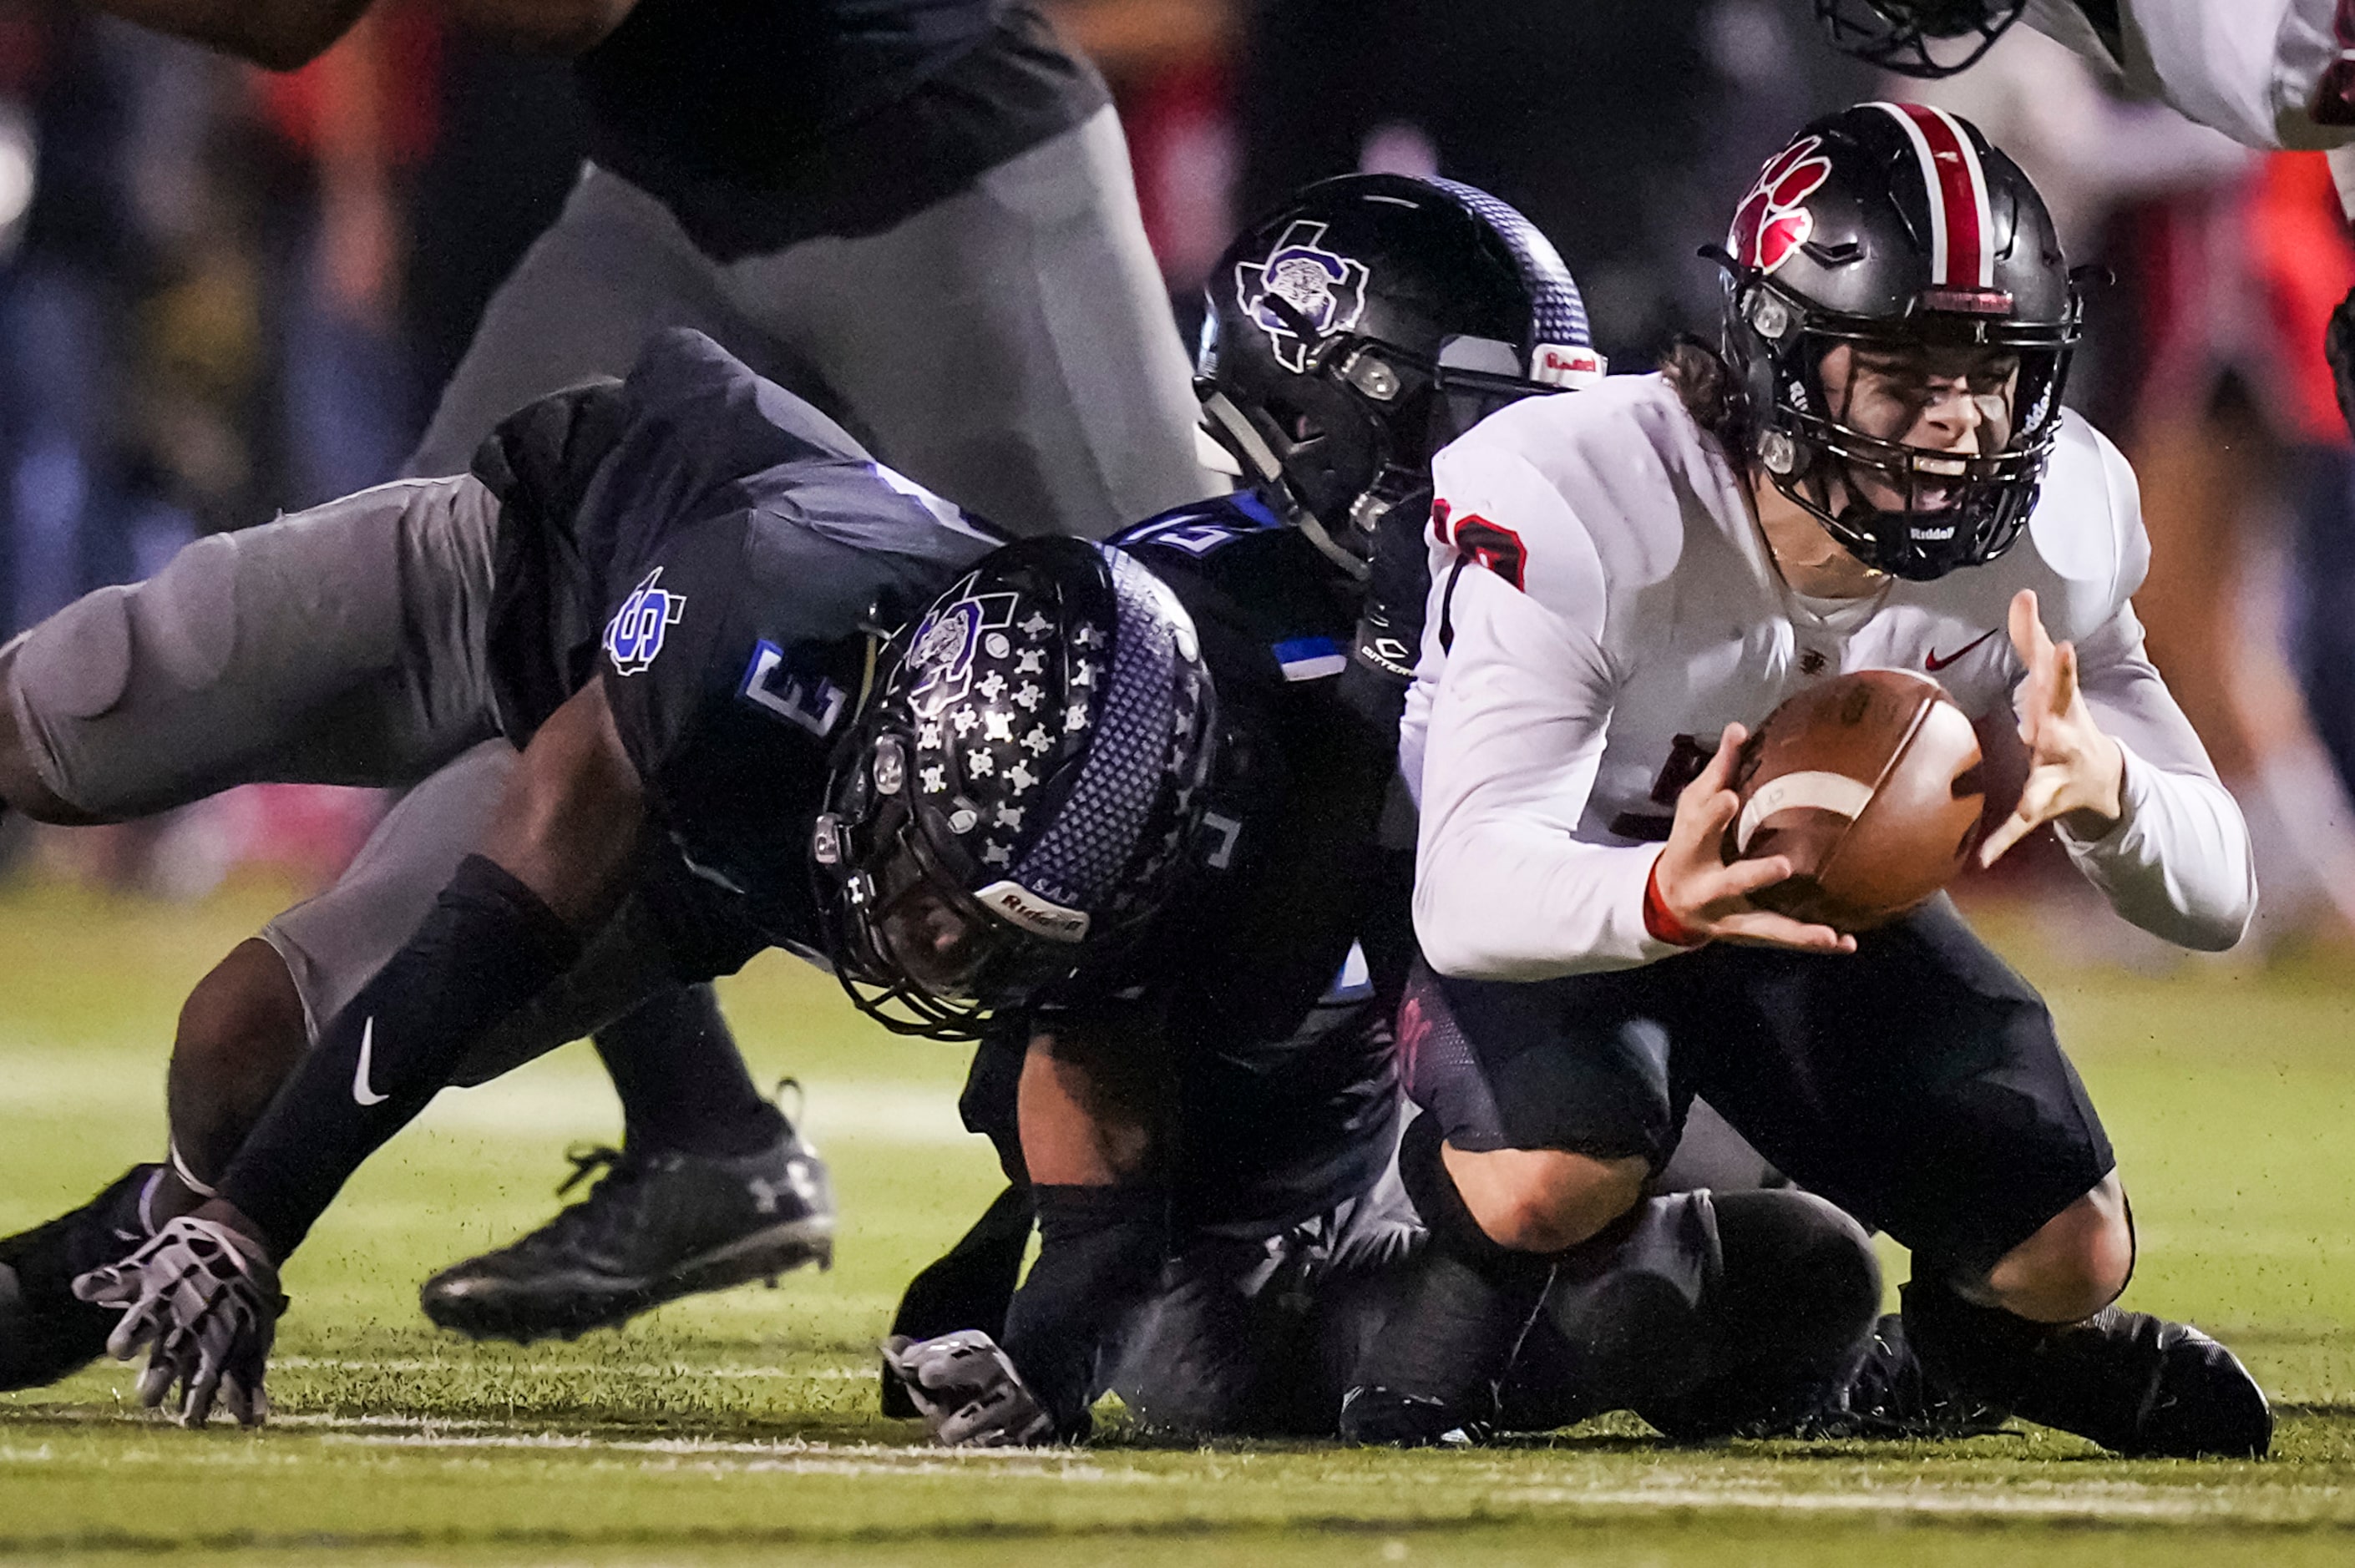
(205, 1296)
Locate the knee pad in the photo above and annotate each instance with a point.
(1793, 1260)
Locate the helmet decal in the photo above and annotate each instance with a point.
(1962, 255)
(1565, 365)
(944, 646)
(1324, 288)
(1144, 700)
(1770, 224)
(1036, 809)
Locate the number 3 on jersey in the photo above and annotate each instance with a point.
(811, 702)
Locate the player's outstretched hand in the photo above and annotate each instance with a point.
(968, 1391)
(2074, 770)
(1712, 899)
(204, 1296)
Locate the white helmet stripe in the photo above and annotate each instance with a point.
(1930, 182)
(1961, 220)
(1982, 213)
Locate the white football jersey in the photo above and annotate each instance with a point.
(2251, 69)
(1602, 605)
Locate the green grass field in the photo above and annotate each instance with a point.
(745, 1427)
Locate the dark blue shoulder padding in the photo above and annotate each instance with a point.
(706, 418)
(1557, 310)
(1200, 527)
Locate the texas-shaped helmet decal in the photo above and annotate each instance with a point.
(942, 655)
(1770, 224)
(1324, 288)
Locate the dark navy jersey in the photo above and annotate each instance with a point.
(1258, 974)
(761, 122)
(710, 547)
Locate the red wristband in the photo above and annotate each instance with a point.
(1661, 921)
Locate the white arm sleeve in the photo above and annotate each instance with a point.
(2178, 864)
(1503, 891)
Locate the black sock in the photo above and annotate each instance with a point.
(1983, 1352)
(1100, 1250)
(683, 1083)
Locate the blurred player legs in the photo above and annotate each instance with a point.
(1010, 347)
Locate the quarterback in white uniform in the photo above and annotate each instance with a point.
(1651, 613)
(1877, 474)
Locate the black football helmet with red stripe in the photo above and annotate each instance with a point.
(1365, 324)
(1896, 229)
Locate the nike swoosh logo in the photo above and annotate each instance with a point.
(1934, 664)
(361, 1093)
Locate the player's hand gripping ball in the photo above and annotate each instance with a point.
(1871, 785)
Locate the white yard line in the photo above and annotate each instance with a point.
(566, 1369)
(564, 1101)
(1945, 1500)
(2091, 1501)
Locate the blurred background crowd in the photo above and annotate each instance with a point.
(225, 293)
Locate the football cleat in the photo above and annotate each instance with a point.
(656, 1226)
(1893, 1396)
(2148, 1389)
(1375, 1417)
(46, 1332)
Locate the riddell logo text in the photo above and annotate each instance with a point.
(1567, 366)
(1032, 913)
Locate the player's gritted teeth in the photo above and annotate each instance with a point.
(1932, 400)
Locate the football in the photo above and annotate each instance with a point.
(1871, 784)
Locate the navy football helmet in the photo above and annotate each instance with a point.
(1020, 792)
(1366, 325)
(1928, 39)
(1896, 229)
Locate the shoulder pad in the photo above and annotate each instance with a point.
(1203, 527)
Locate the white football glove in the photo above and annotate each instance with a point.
(968, 1390)
(205, 1297)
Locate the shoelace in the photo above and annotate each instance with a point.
(585, 1219)
(589, 1161)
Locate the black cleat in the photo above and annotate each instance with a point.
(2136, 1385)
(2150, 1389)
(1893, 1396)
(1376, 1417)
(654, 1228)
(45, 1331)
